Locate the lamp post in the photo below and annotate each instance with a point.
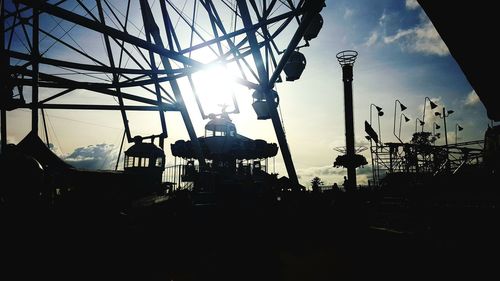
(422, 123)
(346, 60)
(435, 127)
(457, 129)
(443, 116)
(379, 113)
(401, 119)
(433, 105)
(402, 107)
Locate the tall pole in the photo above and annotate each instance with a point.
(423, 116)
(3, 67)
(433, 106)
(34, 88)
(400, 120)
(446, 142)
(45, 128)
(403, 108)
(445, 133)
(371, 149)
(120, 151)
(456, 133)
(379, 132)
(379, 113)
(394, 129)
(346, 60)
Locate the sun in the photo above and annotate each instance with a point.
(215, 87)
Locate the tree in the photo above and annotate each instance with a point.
(316, 182)
(422, 138)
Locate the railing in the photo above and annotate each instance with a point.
(433, 159)
(176, 174)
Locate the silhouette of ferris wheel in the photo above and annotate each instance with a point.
(145, 56)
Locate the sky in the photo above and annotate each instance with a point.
(401, 57)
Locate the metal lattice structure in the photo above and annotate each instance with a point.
(424, 159)
(137, 55)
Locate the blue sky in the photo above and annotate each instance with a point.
(401, 56)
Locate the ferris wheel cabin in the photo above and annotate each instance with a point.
(145, 159)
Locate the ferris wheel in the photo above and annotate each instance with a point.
(146, 56)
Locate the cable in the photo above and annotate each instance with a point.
(78, 121)
(55, 135)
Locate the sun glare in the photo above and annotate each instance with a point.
(215, 87)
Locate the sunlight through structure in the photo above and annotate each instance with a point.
(145, 55)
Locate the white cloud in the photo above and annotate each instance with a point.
(372, 39)
(383, 18)
(412, 4)
(330, 175)
(472, 99)
(422, 38)
(93, 157)
(452, 137)
(348, 13)
(397, 36)
(319, 171)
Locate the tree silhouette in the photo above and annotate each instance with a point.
(421, 138)
(316, 182)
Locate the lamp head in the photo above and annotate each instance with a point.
(437, 113)
(433, 105)
(406, 118)
(459, 127)
(437, 127)
(450, 112)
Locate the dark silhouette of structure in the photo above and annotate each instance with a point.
(220, 215)
(113, 78)
(465, 45)
(351, 160)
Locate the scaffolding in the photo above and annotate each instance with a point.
(423, 159)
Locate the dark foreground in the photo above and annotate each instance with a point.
(303, 237)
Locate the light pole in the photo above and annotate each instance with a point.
(401, 119)
(346, 60)
(433, 105)
(422, 123)
(457, 129)
(443, 116)
(402, 107)
(379, 113)
(435, 127)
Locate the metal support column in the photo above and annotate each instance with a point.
(448, 166)
(346, 60)
(153, 29)
(34, 87)
(264, 83)
(3, 67)
(115, 75)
